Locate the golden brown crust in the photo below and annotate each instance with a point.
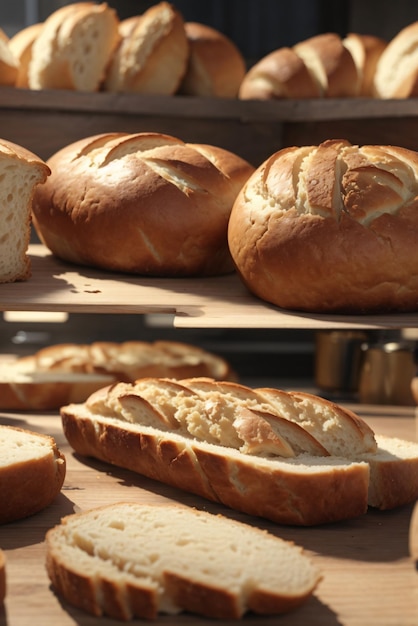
(28, 486)
(330, 228)
(216, 66)
(280, 74)
(125, 203)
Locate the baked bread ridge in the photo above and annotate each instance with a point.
(74, 47)
(152, 54)
(97, 560)
(32, 472)
(396, 74)
(21, 172)
(330, 228)
(175, 199)
(216, 66)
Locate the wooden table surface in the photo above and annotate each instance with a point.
(369, 577)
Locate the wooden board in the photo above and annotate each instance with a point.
(220, 302)
(368, 575)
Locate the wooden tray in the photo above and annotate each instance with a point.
(369, 579)
(220, 302)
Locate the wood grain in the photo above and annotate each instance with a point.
(369, 577)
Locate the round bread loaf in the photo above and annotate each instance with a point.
(216, 66)
(144, 203)
(330, 228)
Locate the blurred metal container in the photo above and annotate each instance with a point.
(338, 355)
(386, 374)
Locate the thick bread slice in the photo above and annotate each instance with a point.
(32, 472)
(303, 490)
(21, 172)
(396, 73)
(21, 47)
(74, 47)
(132, 560)
(2, 578)
(8, 62)
(366, 51)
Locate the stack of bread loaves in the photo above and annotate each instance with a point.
(141, 203)
(330, 228)
(290, 457)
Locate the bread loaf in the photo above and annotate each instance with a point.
(74, 47)
(145, 203)
(65, 373)
(21, 47)
(396, 73)
(332, 227)
(20, 173)
(152, 54)
(8, 62)
(189, 561)
(32, 472)
(245, 454)
(216, 66)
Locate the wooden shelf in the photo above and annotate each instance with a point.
(368, 574)
(219, 302)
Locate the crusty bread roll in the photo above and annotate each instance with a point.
(136, 560)
(291, 457)
(280, 74)
(21, 172)
(330, 228)
(146, 203)
(8, 61)
(32, 472)
(21, 46)
(366, 51)
(64, 373)
(215, 67)
(74, 47)
(234, 447)
(152, 54)
(331, 65)
(396, 73)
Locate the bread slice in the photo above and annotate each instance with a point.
(64, 373)
(131, 560)
(396, 73)
(74, 47)
(218, 449)
(32, 472)
(20, 173)
(366, 51)
(3, 585)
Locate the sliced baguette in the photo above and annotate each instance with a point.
(190, 561)
(32, 472)
(217, 439)
(292, 489)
